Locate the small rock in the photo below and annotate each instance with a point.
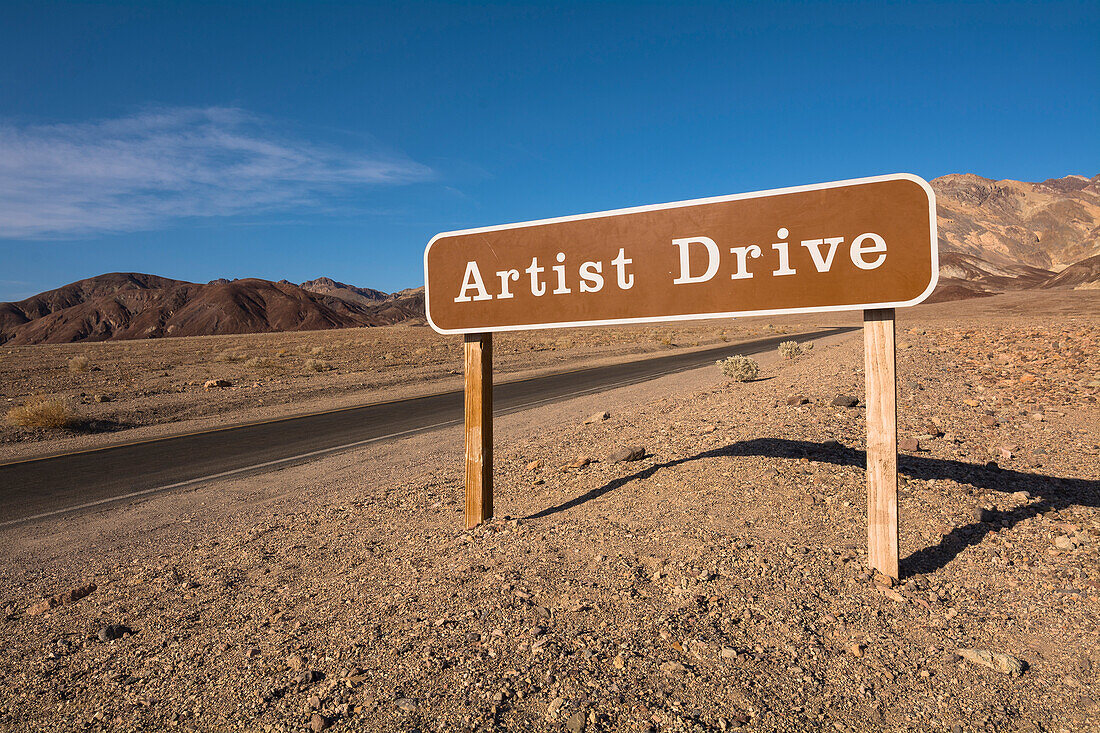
(893, 595)
(1065, 542)
(295, 662)
(1021, 495)
(534, 465)
(576, 721)
(630, 453)
(75, 594)
(553, 708)
(314, 703)
(673, 667)
(318, 722)
(844, 400)
(619, 662)
(580, 462)
(217, 384)
(1003, 663)
(884, 580)
(797, 399)
(110, 632)
(856, 650)
(101, 398)
(728, 653)
(910, 445)
(407, 704)
(981, 514)
(597, 417)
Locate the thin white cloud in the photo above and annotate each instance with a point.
(144, 171)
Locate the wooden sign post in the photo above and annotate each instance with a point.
(479, 428)
(868, 244)
(882, 440)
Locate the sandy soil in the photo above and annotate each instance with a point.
(716, 584)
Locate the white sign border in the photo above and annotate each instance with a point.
(933, 229)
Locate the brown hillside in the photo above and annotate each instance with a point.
(1083, 275)
(144, 306)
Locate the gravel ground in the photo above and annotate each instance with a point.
(717, 583)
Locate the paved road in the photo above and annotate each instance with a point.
(47, 486)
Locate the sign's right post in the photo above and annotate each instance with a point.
(882, 440)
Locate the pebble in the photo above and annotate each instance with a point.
(1065, 542)
(1003, 663)
(797, 399)
(295, 662)
(629, 453)
(576, 722)
(317, 722)
(534, 465)
(553, 708)
(580, 462)
(981, 514)
(217, 384)
(597, 417)
(910, 445)
(110, 632)
(844, 400)
(406, 704)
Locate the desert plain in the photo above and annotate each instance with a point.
(716, 583)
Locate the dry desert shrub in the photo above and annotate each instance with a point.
(739, 368)
(229, 356)
(41, 411)
(259, 362)
(317, 365)
(79, 364)
(790, 349)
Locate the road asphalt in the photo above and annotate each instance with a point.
(44, 487)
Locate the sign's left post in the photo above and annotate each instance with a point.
(479, 428)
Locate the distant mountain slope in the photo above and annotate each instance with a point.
(343, 291)
(1048, 226)
(1083, 275)
(133, 306)
(52, 301)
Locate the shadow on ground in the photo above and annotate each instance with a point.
(1051, 492)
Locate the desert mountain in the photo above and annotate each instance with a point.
(343, 291)
(1011, 235)
(133, 306)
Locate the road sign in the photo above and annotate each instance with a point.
(868, 244)
(862, 244)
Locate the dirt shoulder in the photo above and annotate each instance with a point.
(715, 584)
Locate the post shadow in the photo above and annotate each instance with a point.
(1051, 492)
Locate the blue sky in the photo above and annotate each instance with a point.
(293, 140)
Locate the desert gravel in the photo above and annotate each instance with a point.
(717, 582)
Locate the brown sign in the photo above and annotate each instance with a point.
(850, 245)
